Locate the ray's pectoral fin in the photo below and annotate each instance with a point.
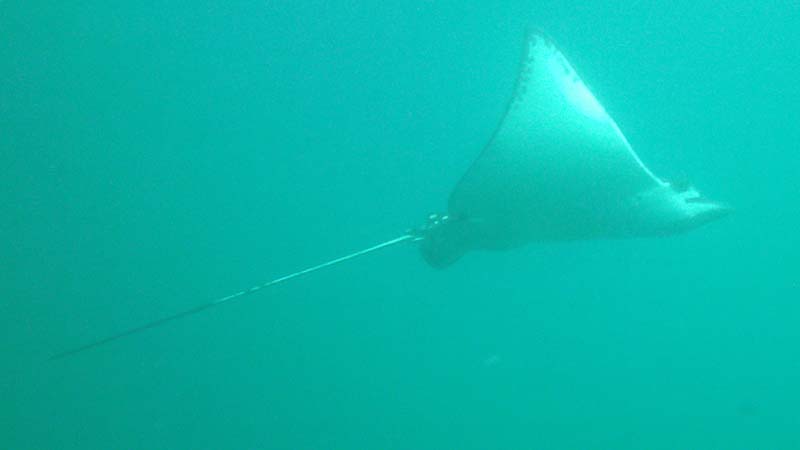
(557, 168)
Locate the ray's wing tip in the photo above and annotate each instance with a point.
(535, 34)
(530, 56)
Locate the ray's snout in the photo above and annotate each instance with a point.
(715, 211)
(703, 212)
(698, 210)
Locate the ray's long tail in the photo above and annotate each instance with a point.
(411, 236)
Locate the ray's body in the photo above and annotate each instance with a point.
(556, 168)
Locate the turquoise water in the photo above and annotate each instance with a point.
(158, 155)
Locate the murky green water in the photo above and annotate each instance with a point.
(157, 155)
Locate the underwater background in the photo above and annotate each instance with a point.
(157, 155)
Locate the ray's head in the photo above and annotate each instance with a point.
(676, 207)
(701, 210)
